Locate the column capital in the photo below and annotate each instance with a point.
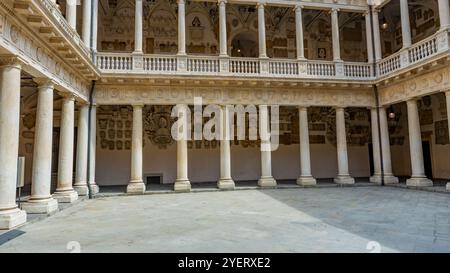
(298, 8)
(44, 83)
(181, 2)
(303, 107)
(67, 96)
(260, 5)
(138, 105)
(11, 61)
(335, 10)
(222, 2)
(447, 93)
(412, 100)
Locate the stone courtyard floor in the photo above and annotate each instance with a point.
(355, 219)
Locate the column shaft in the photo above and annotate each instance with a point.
(262, 31)
(181, 27)
(10, 215)
(299, 33)
(223, 28)
(306, 178)
(266, 179)
(182, 183)
(375, 147)
(41, 201)
(95, 27)
(342, 155)
(136, 184)
(389, 177)
(335, 34)
(225, 182)
(418, 178)
(86, 26)
(377, 35)
(82, 147)
(138, 33)
(369, 38)
(64, 190)
(93, 150)
(444, 14)
(71, 13)
(406, 28)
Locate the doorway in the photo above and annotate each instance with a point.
(371, 161)
(426, 147)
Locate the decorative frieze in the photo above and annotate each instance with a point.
(417, 86)
(171, 95)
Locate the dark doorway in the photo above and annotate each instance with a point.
(426, 146)
(153, 179)
(371, 162)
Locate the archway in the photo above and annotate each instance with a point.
(245, 44)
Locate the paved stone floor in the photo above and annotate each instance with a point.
(283, 220)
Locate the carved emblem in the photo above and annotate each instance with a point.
(158, 123)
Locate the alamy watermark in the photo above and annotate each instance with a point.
(263, 123)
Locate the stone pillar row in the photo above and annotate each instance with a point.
(41, 199)
(223, 29)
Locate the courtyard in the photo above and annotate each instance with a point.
(338, 219)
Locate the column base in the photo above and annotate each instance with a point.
(66, 196)
(12, 218)
(46, 206)
(226, 184)
(136, 187)
(94, 188)
(82, 190)
(182, 186)
(267, 182)
(306, 181)
(388, 179)
(344, 180)
(419, 182)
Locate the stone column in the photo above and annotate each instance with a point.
(369, 38)
(71, 13)
(136, 184)
(262, 31)
(335, 34)
(95, 27)
(343, 176)
(182, 183)
(266, 179)
(389, 177)
(181, 27)
(299, 32)
(306, 178)
(93, 150)
(418, 178)
(223, 28)
(64, 190)
(377, 35)
(138, 28)
(86, 26)
(226, 181)
(406, 28)
(80, 184)
(10, 215)
(447, 97)
(444, 14)
(376, 178)
(41, 201)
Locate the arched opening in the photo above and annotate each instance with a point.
(245, 44)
